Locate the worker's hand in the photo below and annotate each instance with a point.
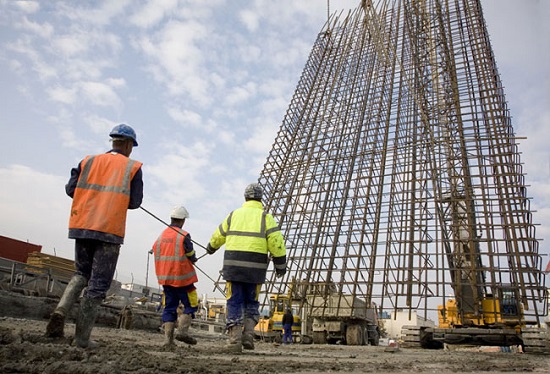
(280, 272)
(210, 250)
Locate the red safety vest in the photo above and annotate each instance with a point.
(172, 265)
(102, 194)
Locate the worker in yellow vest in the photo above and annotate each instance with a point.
(250, 235)
(174, 258)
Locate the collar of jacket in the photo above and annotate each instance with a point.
(116, 151)
(253, 204)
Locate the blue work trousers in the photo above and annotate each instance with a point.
(172, 297)
(96, 261)
(242, 302)
(287, 336)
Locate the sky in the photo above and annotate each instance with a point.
(205, 84)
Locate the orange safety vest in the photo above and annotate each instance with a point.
(102, 194)
(172, 265)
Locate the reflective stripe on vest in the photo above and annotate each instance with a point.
(102, 194)
(123, 188)
(247, 264)
(262, 234)
(172, 265)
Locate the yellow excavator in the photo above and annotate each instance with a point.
(480, 313)
(504, 310)
(499, 321)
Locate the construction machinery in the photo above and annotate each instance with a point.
(270, 328)
(396, 177)
(343, 319)
(216, 311)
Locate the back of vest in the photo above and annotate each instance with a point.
(102, 194)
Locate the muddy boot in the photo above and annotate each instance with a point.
(182, 334)
(169, 335)
(235, 335)
(85, 323)
(248, 333)
(56, 324)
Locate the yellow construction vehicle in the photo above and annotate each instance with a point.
(270, 328)
(479, 313)
(498, 321)
(216, 311)
(503, 310)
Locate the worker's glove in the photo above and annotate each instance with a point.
(280, 272)
(210, 250)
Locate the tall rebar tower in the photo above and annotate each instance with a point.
(395, 175)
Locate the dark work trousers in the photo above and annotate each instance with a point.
(172, 297)
(242, 298)
(96, 261)
(287, 336)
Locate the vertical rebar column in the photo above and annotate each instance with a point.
(395, 174)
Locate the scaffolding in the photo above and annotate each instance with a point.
(395, 175)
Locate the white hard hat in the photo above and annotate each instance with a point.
(179, 212)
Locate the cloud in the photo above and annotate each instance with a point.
(186, 117)
(27, 6)
(250, 19)
(180, 168)
(240, 94)
(86, 15)
(44, 30)
(175, 57)
(71, 45)
(152, 12)
(99, 125)
(62, 95)
(99, 93)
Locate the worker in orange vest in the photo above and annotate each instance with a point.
(103, 187)
(174, 258)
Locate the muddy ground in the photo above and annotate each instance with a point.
(23, 349)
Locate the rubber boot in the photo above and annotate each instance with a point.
(248, 333)
(182, 334)
(169, 335)
(235, 335)
(85, 322)
(56, 324)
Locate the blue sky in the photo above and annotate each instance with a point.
(206, 85)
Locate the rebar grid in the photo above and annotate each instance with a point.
(395, 175)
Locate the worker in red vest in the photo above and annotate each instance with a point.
(174, 258)
(103, 187)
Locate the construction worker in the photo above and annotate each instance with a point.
(174, 258)
(103, 187)
(250, 234)
(288, 321)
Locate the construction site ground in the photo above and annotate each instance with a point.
(24, 349)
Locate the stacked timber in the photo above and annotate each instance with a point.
(58, 267)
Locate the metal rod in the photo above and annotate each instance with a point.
(172, 227)
(213, 281)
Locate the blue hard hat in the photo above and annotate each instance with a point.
(124, 131)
